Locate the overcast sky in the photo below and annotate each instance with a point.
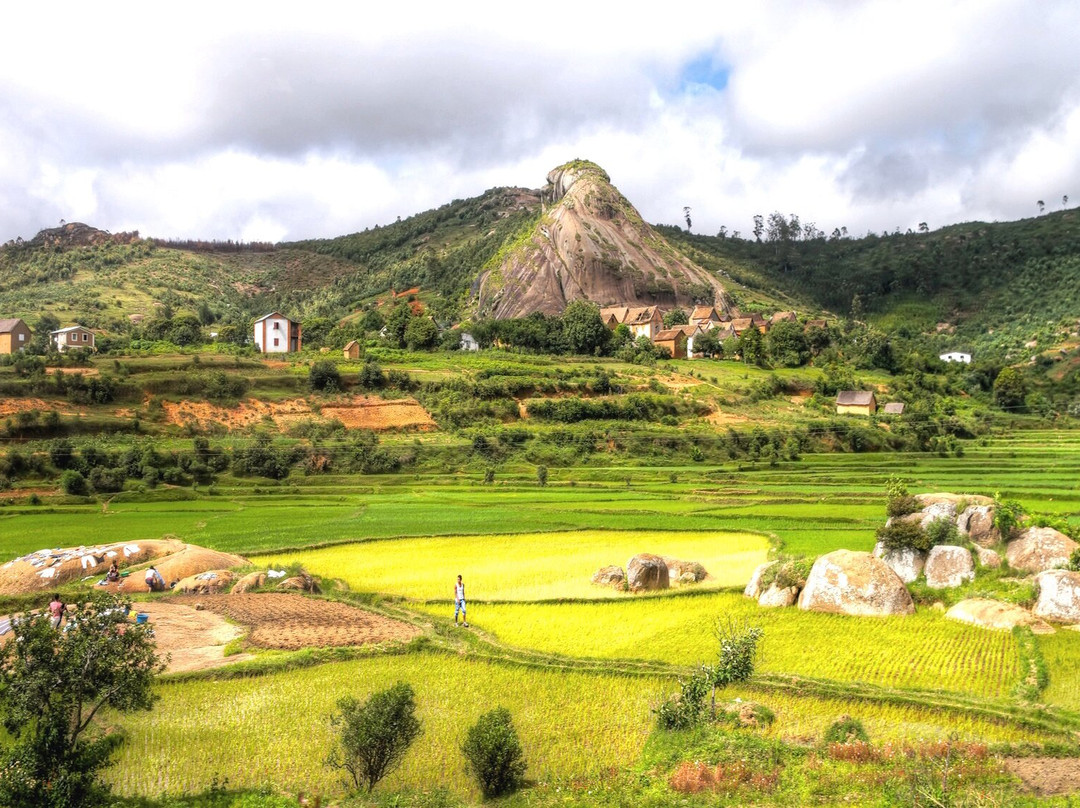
(251, 122)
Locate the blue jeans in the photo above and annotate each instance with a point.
(459, 606)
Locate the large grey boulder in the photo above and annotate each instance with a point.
(948, 566)
(977, 522)
(610, 576)
(993, 614)
(907, 563)
(849, 582)
(647, 572)
(987, 558)
(938, 510)
(753, 586)
(685, 572)
(1038, 549)
(1059, 596)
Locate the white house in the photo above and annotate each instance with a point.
(468, 342)
(75, 336)
(956, 356)
(276, 333)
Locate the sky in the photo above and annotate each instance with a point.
(272, 122)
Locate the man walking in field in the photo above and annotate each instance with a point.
(459, 602)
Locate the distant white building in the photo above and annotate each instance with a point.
(956, 356)
(75, 336)
(468, 342)
(276, 333)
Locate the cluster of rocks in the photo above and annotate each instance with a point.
(216, 581)
(857, 583)
(646, 572)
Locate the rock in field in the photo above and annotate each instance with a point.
(1038, 549)
(612, 576)
(977, 521)
(301, 583)
(987, 558)
(778, 596)
(938, 510)
(685, 572)
(907, 563)
(645, 572)
(948, 566)
(849, 582)
(753, 587)
(253, 580)
(205, 583)
(1059, 596)
(994, 614)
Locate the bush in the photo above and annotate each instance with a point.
(1074, 560)
(323, 377)
(787, 571)
(1007, 517)
(903, 536)
(72, 482)
(943, 531)
(374, 736)
(846, 730)
(493, 754)
(901, 505)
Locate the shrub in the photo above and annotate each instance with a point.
(846, 730)
(493, 754)
(943, 531)
(902, 505)
(1007, 516)
(903, 536)
(787, 571)
(1074, 560)
(72, 482)
(323, 377)
(374, 736)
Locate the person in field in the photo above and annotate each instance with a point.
(56, 610)
(459, 602)
(113, 575)
(154, 581)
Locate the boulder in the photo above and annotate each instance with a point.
(610, 576)
(948, 566)
(849, 582)
(779, 596)
(989, 559)
(753, 587)
(1059, 596)
(205, 583)
(685, 571)
(908, 563)
(1037, 549)
(253, 580)
(646, 572)
(300, 583)
(977, 522)
(994, 614)
(938, 498)
(937, 510)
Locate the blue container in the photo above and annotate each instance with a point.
(141, 618)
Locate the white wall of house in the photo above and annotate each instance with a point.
(468, 342)
(956, 356)
(272, 334)
(67, 338)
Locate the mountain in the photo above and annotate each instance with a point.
(588, 242)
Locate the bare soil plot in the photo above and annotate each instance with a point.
(1046, 776)
(291, 622)
(355, 412)
(194, 640)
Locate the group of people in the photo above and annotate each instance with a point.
(154, 582)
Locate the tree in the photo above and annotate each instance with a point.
(676, 317)
(324, 377)
(374, 736)
(786, 344)
(396, 324)
(52, 686)
(421, 333)
(583, 330)
(1010, 389)
(735, 659)
(686, 215)
(493, 753)
(541, 476)
(752, 347)
(1042, 205)
(759, 227)
(708, 343)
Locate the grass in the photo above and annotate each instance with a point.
(526, 567)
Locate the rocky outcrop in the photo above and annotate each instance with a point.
(1037, 549)
(907, 562)
(948, 566)
(205, 583)
(988, 559)
(77, 234)
(685, 572)
(753, 586)
(301, 583)
(647, 572)
(1059, 596)
(590, 244)
(993, 614)
(977, 523)
(849, 582)
(612, 576)
(937, 498)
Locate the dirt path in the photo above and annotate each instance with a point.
(1046, 776)
(194, 640)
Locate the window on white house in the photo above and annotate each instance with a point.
(22, 337)
(85, 337)
(276, 341)
(73, 337)
(277, 326)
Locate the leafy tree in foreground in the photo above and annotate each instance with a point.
(375, 735)
(493, 754)
(52, 686)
